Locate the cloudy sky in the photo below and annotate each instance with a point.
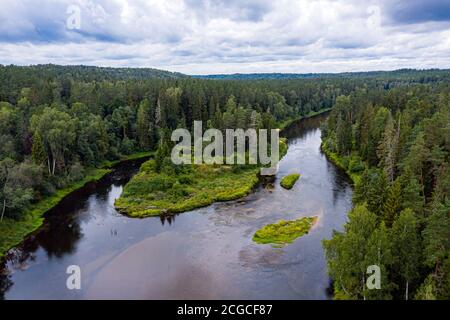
(228, 36)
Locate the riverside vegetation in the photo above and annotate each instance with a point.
(395, 145)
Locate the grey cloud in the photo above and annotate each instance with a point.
(195, 36)
(417, 11)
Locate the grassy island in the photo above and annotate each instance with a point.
(165, 188)
(284, 232)
(288, 181)
(150, 193)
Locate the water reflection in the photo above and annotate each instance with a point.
(206, 253)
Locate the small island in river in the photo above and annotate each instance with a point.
(289, 181)
(284, 232)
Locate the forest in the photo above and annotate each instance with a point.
(389, 130)
(396, 148)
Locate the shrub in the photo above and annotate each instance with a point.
(356, 165)
(185, 179)
(76, 172)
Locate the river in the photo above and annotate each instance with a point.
(207, 253)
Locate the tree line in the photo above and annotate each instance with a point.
(397, 143)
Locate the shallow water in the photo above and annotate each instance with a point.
(203, 254)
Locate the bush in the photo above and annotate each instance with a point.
(150, 184)
(148, 166)
(344, 162)
(185, 179)
(127, 146)
(178, 190)
(356, 165)
(76, 172)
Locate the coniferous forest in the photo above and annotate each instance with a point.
(389, 131)
(395, 145)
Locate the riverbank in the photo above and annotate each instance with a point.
(13, 232)
(345, 164)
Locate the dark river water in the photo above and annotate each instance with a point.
(207, 253)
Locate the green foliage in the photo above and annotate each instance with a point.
(284, 232)
(427, 290)
(437, 234)
(38, 151)
(406, 249)
(393, 204)
(400, 138)
(348, 252)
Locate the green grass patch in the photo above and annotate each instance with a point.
(150, 193)
(284, 232)
(288, 181)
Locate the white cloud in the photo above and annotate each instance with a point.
(219, 36)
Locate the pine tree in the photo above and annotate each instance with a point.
(344, 136)
(143, 125)
(387, 149)
(406, 249)
(362, 188)
(378, 253)
(412, 196)
(377, 192)
(346, 253)
(436, 235)
(393, 204)
(38, 151)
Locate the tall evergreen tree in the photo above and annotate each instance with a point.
(406, 249)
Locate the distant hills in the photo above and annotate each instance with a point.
(91, 73)
(401, 73)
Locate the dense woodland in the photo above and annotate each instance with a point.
(57, 121)
(396, 145)
(391, 129)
